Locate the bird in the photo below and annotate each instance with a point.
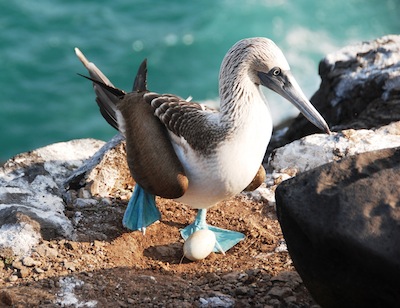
(200, 156)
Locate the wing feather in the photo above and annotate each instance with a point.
(188, 120)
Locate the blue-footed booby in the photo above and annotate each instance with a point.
(181, 150)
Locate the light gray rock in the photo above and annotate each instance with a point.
(315, 150)
(30, 262)
(31, 189)
(360, 89)
(220, 300)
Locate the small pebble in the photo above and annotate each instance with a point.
(231, 277)
(242, 290)
(280, 292)
(46, 251)
(106, 201)
(29, 262)
(24, 272)
(84, 194)
(38, 270)
(17, 265)
(80, 202)
(69, 266)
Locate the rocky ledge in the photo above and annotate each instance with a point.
(61, 239)
(340, 215)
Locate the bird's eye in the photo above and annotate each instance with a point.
(276, 71)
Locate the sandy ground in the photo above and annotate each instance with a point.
(109, 266)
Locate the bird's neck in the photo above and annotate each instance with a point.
(238, 97)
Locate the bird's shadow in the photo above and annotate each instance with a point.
(170, 253)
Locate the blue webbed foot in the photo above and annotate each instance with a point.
(141, 210)
(226, 239)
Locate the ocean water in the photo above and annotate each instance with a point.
(42, 100)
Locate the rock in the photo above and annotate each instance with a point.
(82, 203)
(105, 171)
(244, 290)
(280, 292)
(291, 301)
(46, 251)
(220, 300)
(231, 277)
(17, 265)
(274, 302)
(360, 88)
(38, 270)
(69, 265)
(315, 150)
(31, 190)
(24, 272)
(291, 278)
(66, 297)
(29, 262)
(366, 84)
(13, 278)
(341, 222)
(84, 194)
(18, 231)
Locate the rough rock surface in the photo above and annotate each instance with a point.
(315, 150)
(341, 222)
(103, 172)
(360, 88)
(31, 201)
(98, 263)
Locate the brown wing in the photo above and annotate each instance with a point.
(150, 155)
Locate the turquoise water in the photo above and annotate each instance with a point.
(43, 101)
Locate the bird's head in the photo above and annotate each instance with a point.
(267, 66)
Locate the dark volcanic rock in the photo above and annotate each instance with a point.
(341, 222)
(360, 88)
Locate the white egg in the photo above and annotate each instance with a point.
(199, 245)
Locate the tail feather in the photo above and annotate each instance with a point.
(140, 83)
(107, 95)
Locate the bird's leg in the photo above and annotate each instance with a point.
(141, 210)
(226, 239)
(198, 224)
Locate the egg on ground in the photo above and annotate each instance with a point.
(199, 245)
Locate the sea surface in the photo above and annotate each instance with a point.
(43, 100)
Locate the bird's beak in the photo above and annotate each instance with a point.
(285, 85)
